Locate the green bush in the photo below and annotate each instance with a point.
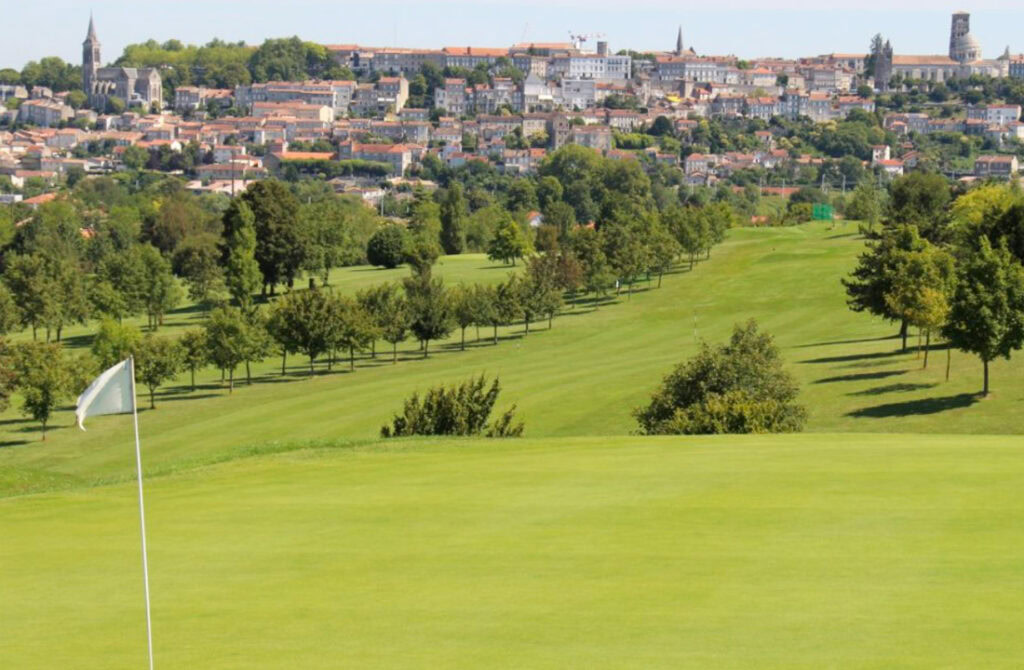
(386, 247)
(456, 410)
(738, 387)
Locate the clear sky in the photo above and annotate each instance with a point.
(747, 28)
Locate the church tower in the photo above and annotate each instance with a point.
(679, 42)
(90, 60)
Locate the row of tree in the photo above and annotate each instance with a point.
(950, 267)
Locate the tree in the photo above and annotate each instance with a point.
(135, 158)
(352, 327)
(120, 282)
(508, 242)
(464, 309)
(280, 250)
(326, 227)
(115, 105)
(921, 199)
(624, 249)
(10, 315)
(26, 277)
(482, 301)
(159, 290)
(507, 307)
(456, 410)
(194, 352)
(542, 290)
(521, 196)
(157, 360)
(46, 378)
(453, 215)
(549, 192)
(300, 322)
(386, 247)
(226, 338)
(597, 275)
(560, 216)
(663, 250)
(921, 290)
(738, 387)
(196, 261)
(986, 314)
(876, 274)
(114, 342)
(242, 271)
(865, 205)
(390, 313)
(430, 309)
(256, 341)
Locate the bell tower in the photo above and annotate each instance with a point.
(90, 60)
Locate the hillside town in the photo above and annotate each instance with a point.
(507, 108)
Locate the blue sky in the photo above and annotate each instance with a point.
(744, 27)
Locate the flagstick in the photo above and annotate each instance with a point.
(142, 514)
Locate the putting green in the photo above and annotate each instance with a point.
(760, 551)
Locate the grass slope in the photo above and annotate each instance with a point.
(757, 551)
(581, 378)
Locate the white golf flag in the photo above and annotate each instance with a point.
(110, 393)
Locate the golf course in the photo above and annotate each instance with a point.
(283, 532)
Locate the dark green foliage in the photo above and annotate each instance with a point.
(739, 387)
(386, 247)
(47, 378)
(280, 249)
(157, 360)
(921, 199)
(300, 322)
(876, 272)
(987, 309)
(453, 215)
(430, 309)
(508, 243)
(457, 410)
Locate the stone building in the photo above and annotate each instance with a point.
(135, 86)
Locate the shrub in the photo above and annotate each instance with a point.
(457, 410)
(738, 387)
(386, 247)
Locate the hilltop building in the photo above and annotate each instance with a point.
(136, 86)
(963, 60)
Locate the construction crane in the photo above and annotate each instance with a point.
(579, 39)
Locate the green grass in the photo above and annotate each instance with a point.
(583, 377)
(782, 551)
(284, 534)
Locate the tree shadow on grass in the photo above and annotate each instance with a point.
(842, 235)
(893, 388)
(862, 376)
(12, 443)
(922, 406)
(839, 342)
(174, 397)
(16, 422)
(855, 357)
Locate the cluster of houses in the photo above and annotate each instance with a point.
(511, 121)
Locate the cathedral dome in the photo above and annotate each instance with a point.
(969, 41)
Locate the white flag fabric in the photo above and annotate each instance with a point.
(110, 393)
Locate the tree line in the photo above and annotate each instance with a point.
(948, 267)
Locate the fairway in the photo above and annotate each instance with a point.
(583, 377)
(284, 533)
(783, 551)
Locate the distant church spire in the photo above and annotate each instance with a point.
(679, 42)
(90, 60)
(91, 35)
